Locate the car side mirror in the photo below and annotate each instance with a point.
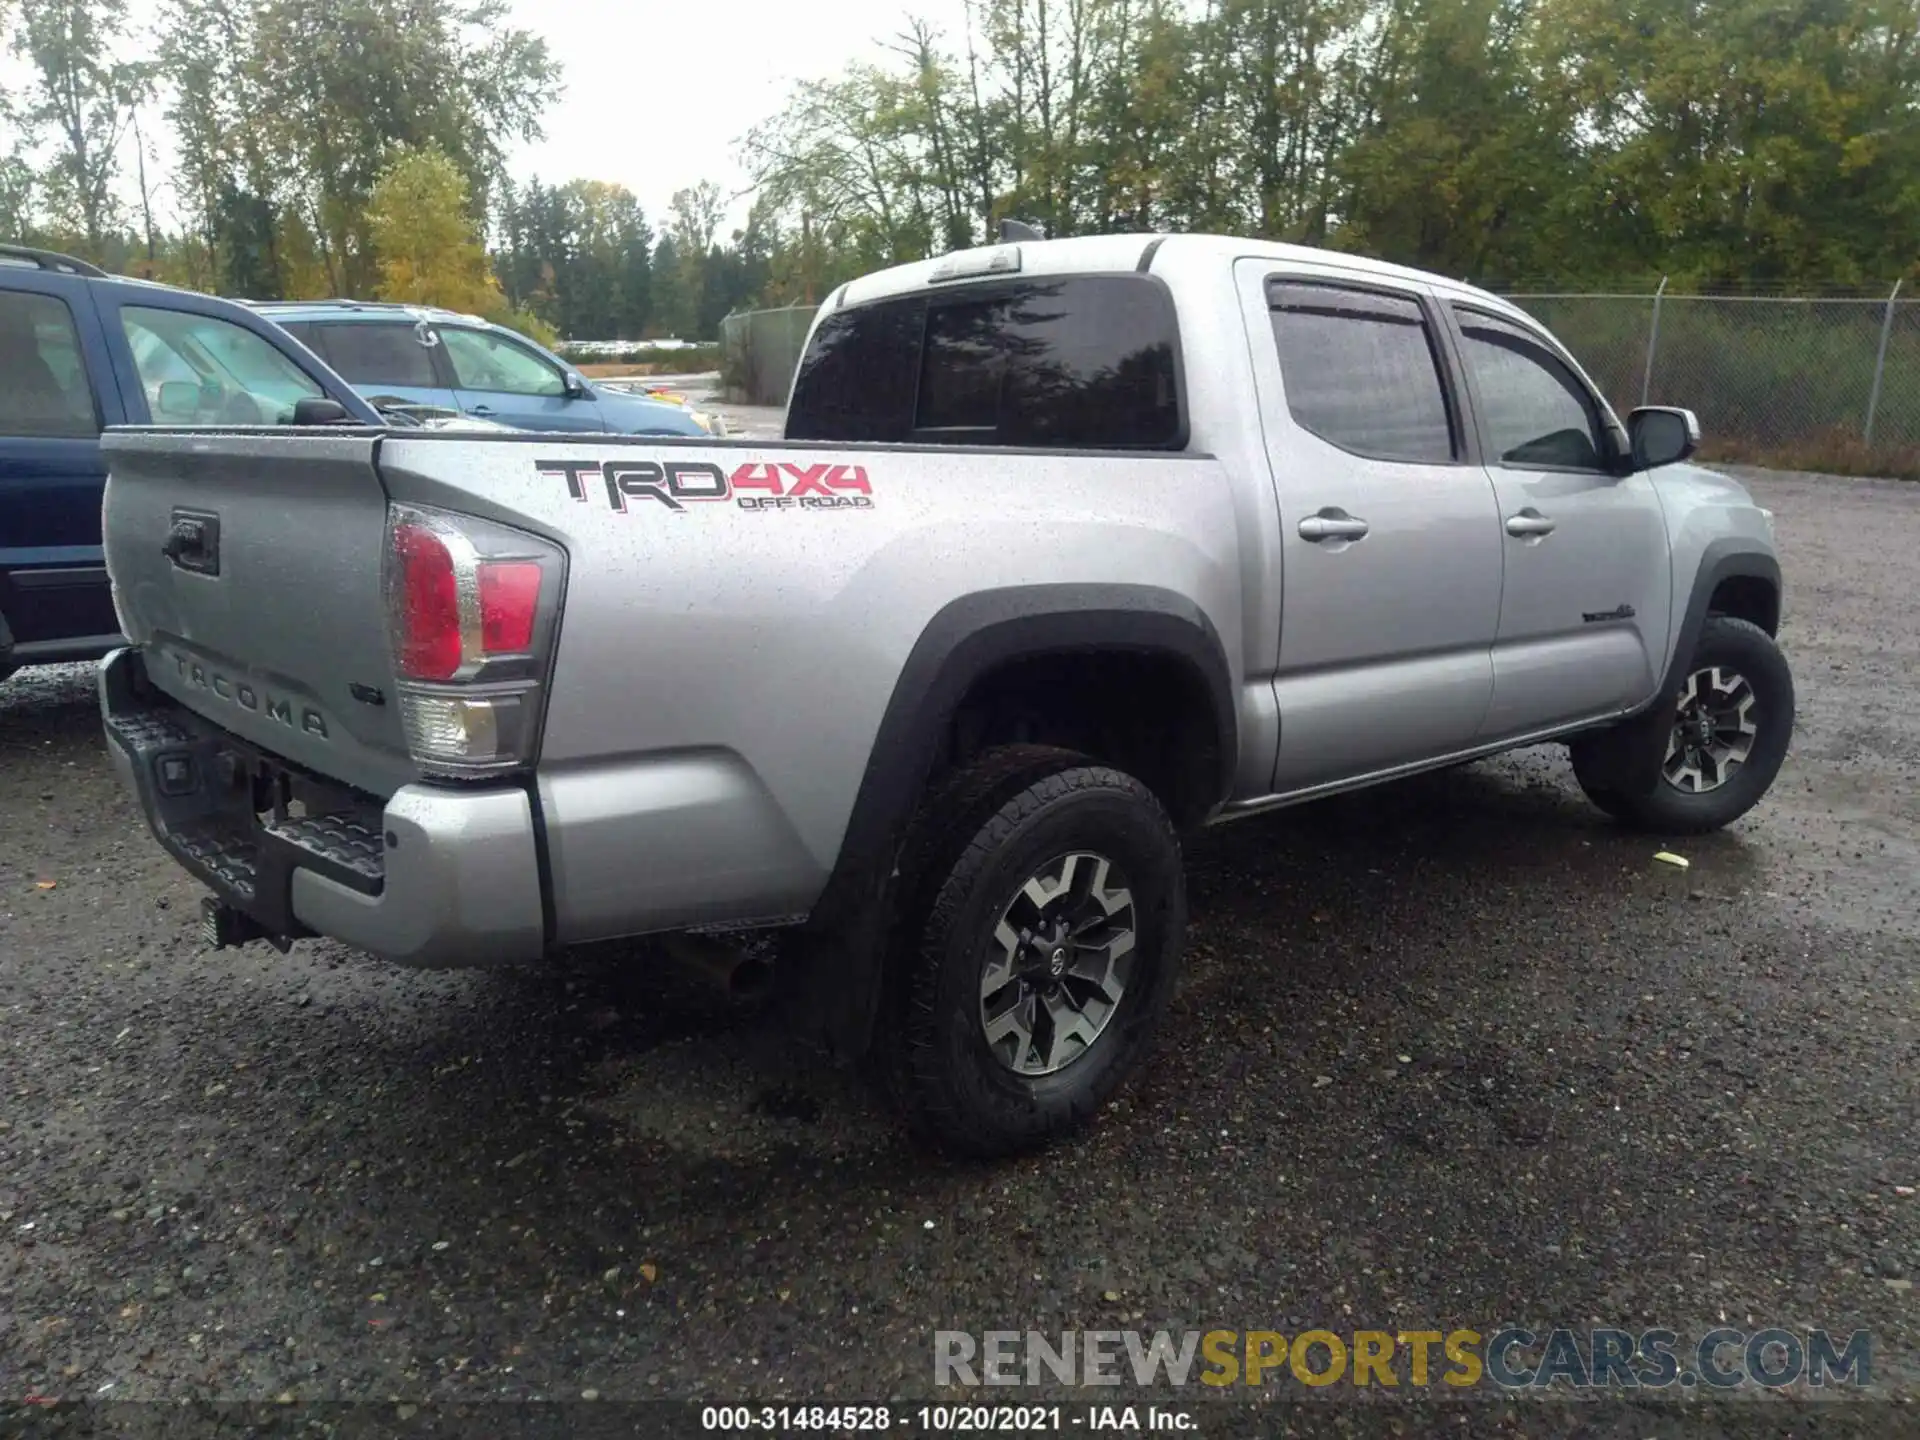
(177, 400)
(318, 410)
(576, 387)
(1661, 435)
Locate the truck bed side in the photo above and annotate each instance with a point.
(738, 616)
(736, 624)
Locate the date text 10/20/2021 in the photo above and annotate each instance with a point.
(947, 1419)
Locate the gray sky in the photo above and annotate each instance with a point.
(658, 90)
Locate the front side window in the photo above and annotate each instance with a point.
(379, 354)
(1535, 410)
(1086, 362)
(199, 370)
(486, 362)
(43, 381)
(1361, 372)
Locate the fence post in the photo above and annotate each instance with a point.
(1653, 341)
(1880, 365)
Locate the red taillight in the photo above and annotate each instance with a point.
(429, 608)
(471, 609)
(509, 601)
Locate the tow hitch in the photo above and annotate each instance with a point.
(225, 927)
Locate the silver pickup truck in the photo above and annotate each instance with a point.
(1070, 546)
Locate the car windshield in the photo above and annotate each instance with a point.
(200, 370)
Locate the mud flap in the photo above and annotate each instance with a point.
(1626, 758)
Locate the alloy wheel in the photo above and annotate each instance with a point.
(1061, 959)
(1715, 726)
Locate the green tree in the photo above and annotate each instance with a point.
(672, 310)
(83, 98)
(297, 104)
(16, 198)
(578, 255)
(1751, 140)
(1465, 157)
(420, 221)
(696, 215)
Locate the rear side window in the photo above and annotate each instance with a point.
(307, 333)
(43, 381)
(488, 362)
(1088, 362)
(1361, 372)
(366, 354)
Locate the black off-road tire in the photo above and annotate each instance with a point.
(1591, 772)
(1627, 780)
(987, 832)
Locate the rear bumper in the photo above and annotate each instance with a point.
(436, 876)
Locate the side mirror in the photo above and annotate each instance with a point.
(318, 410)
(1661, 435)
(177, 400)
(576, 387)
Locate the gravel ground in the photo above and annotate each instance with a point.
(1449, 1054)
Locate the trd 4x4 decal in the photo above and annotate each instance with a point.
(676, 484)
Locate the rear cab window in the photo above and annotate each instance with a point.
(1079, 362)
(44, 393)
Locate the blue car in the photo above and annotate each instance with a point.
(420, 356)
(81, 350)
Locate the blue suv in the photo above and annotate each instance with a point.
(426, 357)
(81, 350)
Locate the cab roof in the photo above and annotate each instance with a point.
(1158, 254)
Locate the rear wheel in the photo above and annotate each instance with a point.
(1042, 956)
(1708, 760)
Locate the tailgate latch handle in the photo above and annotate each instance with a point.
(193, 542)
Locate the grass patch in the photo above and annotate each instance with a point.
(1837, 452)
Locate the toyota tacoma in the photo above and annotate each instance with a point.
(1070, 547)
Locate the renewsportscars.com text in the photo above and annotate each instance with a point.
(1509, 1358)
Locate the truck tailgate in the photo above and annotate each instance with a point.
(249, 564)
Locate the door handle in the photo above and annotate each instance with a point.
(1332, 523)
(482, 410)
(184, 540)
(193, 542)
(1529, 524)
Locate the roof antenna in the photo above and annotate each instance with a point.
(1012, 230)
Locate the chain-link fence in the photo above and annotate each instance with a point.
(1771, 377)
(759, 350)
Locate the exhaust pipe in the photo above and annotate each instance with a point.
(731, 972)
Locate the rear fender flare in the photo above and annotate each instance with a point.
(841, 952)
